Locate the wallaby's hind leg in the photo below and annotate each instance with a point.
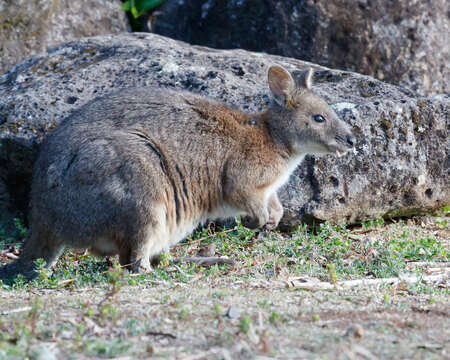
(150, 240)
(135, 260)
(135, 254)
(125, 257)
(37, 246)
(140, 258)
(155, 260)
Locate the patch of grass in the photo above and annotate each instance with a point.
(333, 250)
(373, 223)
(329, 253)
(421, 288)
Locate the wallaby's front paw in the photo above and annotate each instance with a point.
(274, 219)
(271, 224)
(141, 267)
(256, 222)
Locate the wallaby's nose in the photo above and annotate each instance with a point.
(351, 140)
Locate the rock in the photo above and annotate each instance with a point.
(30, 27)
(355, 331)
(400, 166)
(402, 42)
(232, 313)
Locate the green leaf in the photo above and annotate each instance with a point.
(126, 6)
(135, 13)
(138, 7)
(134, 10)
(147, 5)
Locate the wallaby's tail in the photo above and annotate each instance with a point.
(35, 247)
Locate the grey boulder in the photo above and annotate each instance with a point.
(403, 42)
(28, 27)
(400, 165)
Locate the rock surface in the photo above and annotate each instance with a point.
(28, 27)
(400, 166)
(403, 42)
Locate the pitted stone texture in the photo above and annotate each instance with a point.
(403, 42)
(28, 27)
(400, 166)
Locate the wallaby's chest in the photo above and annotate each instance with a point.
(284, 177)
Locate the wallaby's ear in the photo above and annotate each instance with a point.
(303, 79)
(282, 85)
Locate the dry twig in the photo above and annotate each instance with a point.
(322, 285)
(158, 333)
(13, 311)
(205, 261)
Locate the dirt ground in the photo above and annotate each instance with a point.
(184, 321)
(227, 315)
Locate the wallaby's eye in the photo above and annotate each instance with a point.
(252, 122)
(318, 118)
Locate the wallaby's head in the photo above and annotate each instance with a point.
(301, 119)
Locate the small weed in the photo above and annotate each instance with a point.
(108, 313)
(106, 348)
(43, 272)
(164, 260)
(332, 273)
(442, 223)
(89, 312)
(80, 330)
(21, 230)
(183, 314)
(218, 310)
(219, 294)
(274, 318)
(264, 304)
(445, 210)
(244, 324)
(34, 313)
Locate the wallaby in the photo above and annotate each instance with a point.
(135, 172)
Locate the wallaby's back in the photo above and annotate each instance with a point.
(153, 147)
